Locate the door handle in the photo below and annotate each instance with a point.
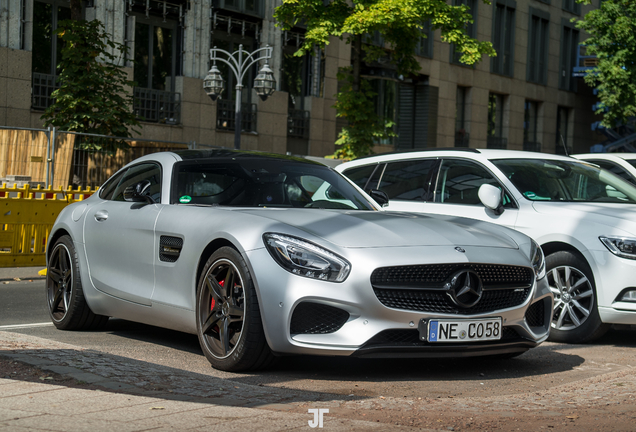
(101, 215)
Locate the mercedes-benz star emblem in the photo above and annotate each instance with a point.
(464, 288)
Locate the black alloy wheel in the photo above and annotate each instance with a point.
(65, 297)
(228, 317)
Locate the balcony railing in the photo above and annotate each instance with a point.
(531, 146)
(298, 123)
(226, 113)
(157, 106)
(43, 86)
(496, 142)
(462, 139)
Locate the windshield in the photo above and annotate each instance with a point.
(557, 180)
(261, 182)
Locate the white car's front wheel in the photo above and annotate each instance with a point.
(575, 318)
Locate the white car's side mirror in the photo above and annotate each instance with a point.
(490, 196)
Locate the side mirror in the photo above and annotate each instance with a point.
(491, 197)
(379, 196)
(138, 192)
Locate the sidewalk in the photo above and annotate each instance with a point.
(22, 273)
(85, 390)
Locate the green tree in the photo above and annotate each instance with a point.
(612, 30)
(94, 95)
(400, 22)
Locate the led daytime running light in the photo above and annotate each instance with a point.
(620, 246)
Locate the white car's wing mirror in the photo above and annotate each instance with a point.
(491, 197)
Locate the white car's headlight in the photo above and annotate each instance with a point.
(620, 246)
(302, 258)
(538, 260)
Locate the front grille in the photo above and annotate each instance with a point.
(435, 275)
(535, 315)
(437, 301)
(406, 338)
(421, 287)
(316, 318)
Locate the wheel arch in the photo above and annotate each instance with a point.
(212, 247)
(53, 238)
(558, 246)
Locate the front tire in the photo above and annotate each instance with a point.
(229, 323)
(575, 318)
(65, 297)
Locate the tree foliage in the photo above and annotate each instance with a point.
(401, 24)
(612, 30)
(94, 95)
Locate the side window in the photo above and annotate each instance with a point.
(459, 181)
(360, 175)
(409, 180)
(107, 190)
(137, 173)
(614, 169)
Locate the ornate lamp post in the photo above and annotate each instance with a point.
(239, 62)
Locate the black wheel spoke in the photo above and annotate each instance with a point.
(57, 298)
(236, 314)
(210, 322)
(224, 335)
(214, 289)
(55, 274)
(228, 282)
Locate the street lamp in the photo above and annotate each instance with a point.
(239, 62)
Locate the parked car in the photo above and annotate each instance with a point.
(583, 217)
(261, 255)
(621, 164)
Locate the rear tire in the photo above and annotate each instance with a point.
(229, 323)
(575, 318)
(65, 298)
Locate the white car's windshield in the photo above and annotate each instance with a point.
(558, 180)
(264, 182)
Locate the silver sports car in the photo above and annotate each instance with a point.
(261, 255)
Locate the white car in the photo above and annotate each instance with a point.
(621, 164)
(583, 217)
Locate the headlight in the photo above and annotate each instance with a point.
(306, 259)
(538, 260)
(620, 246)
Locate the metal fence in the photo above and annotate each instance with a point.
(226, 114)
(157, 106)
(49, 157)
(496, 142)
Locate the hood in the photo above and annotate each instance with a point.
(614, 216)
(361, 229)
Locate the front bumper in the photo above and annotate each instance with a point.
(612, 276)
(367, 321)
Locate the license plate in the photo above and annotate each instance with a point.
(463, 330)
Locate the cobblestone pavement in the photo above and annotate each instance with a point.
(603, 402)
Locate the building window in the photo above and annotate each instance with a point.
(417, 115)
(530, 126)
(538, 38)
(248, 7)
(462, 138)
(385, 103)
(424, 47)
(572, 6)
(155, 69)
(569, 46)
(495, 138)
(47, 50)
(503, 37)
(471, 28)
(562, 144)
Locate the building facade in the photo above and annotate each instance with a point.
(525, 98)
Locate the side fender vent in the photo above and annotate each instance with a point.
(170, 248)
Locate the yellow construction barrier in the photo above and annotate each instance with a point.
(27, 216)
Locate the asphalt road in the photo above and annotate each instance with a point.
(23, 303)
